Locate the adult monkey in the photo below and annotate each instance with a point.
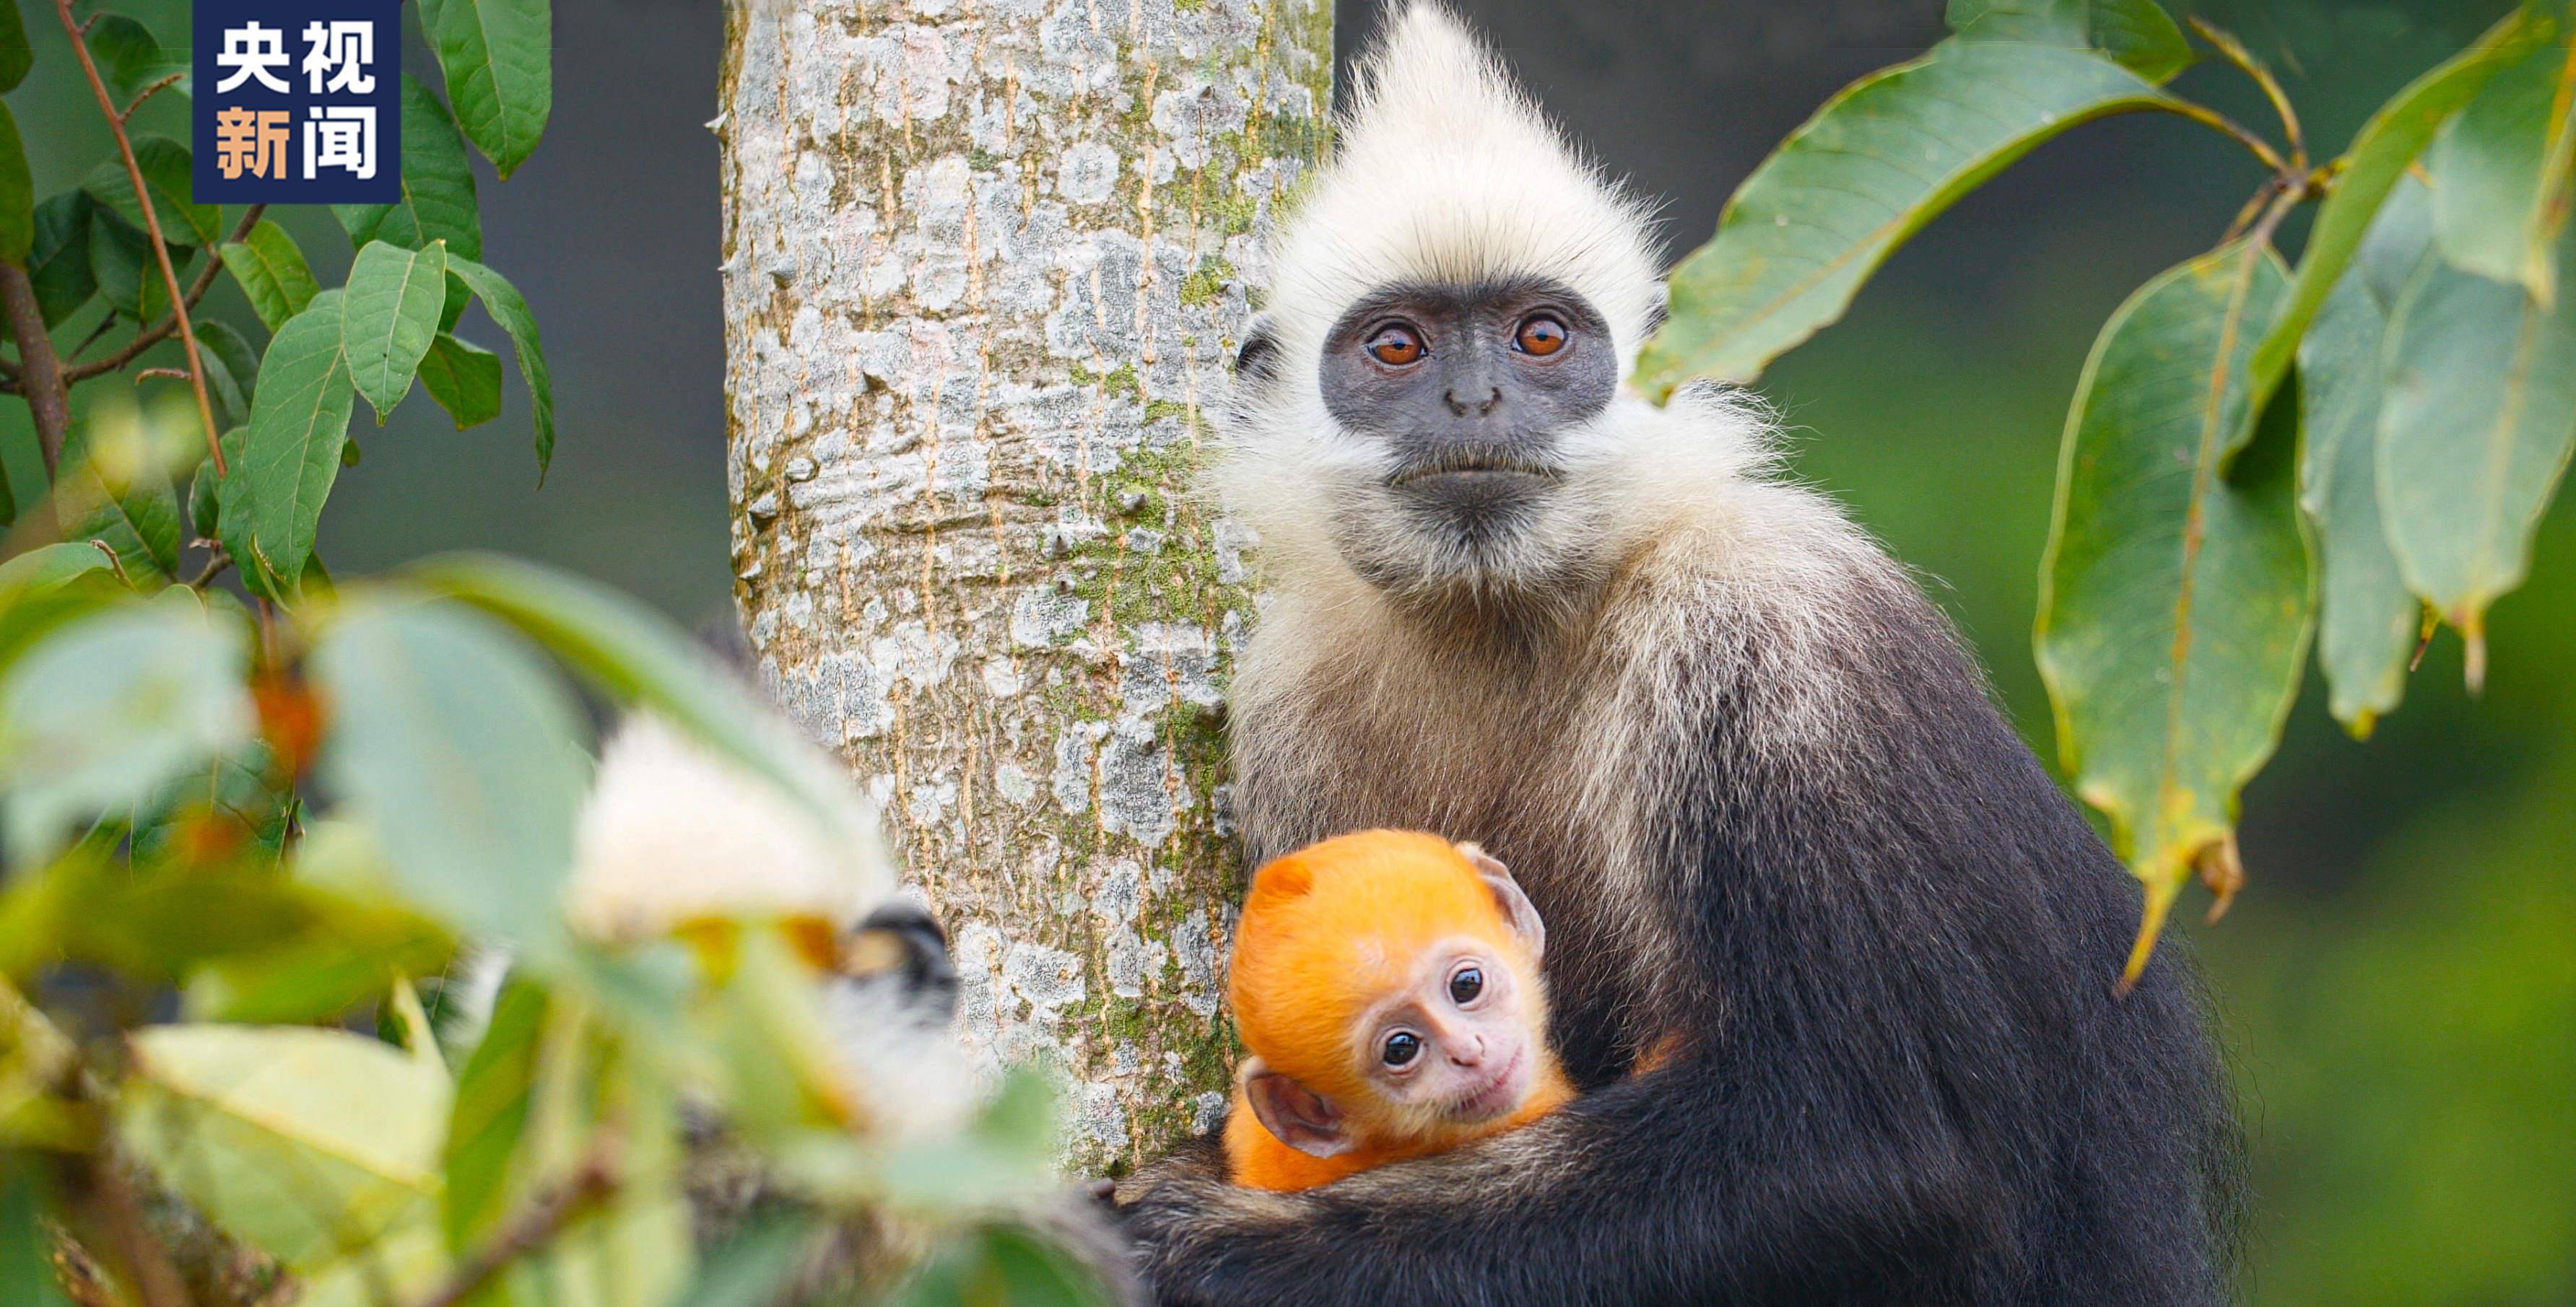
(1832, 956)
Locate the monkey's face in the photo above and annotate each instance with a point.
(1457, 1044)
(1466, 401)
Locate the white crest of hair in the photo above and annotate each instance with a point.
(1443, 171)
(674, 832)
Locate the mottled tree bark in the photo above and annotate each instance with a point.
(986, 263)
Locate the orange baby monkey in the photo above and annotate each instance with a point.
(1387, 986)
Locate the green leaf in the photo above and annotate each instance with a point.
(108, 708)
(497, 55)
(2367, 620)
(331, 952)
(133, 58)
(140, 521)
(2139, 34)
(389, 313)
(122, 266)
(2173, 612)
(1002, 1264)
(308, 1144)
(437, 186)
(170, 177)
(15, 55)
(1870, 169)
(232, 370)
(17, 194)
(291, 453)
(58, 263)
(462, 754)
(49, 565)
(491, 1115)
(502, 301)
(26, 1249)
(272, 273)
(754, 1267)
(2475, 427)
(636, 655)
(2501, 169)
(465, 379)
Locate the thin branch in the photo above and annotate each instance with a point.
(2234, 52)
(162, 374)
(2254, 207)
(160, 331)
(215, 566)
(40, 376)
(118, 1231)
(152, 225)
(533, 1229)
(2208, 117)
(105, 325)
(127, 115)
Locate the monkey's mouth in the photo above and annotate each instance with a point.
(1471, 473)
(1496, 1096)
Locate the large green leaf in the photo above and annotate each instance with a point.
(491, 1115)
(170, 177)
(2379, 155)
(502, 301)
(498, 57)
(1001, 1264)
(2501, 168)
(26, 1247)
(2137, 33)
(15, 55)
(232, 371)
(2474, 430)
(308, 1144)
(272, 272)
(388, 315)
(464, 378)
(106, 709)
(462, 754)
(2367, 619)
(437, 186)
(17, 194)
(2174, 597)
(133, 58)
(58, 262)
(1873, 166)
(298, 422)
(122, 267)
(138, 520)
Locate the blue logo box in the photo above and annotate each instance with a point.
(298, 101)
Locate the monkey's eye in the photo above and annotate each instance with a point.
(1540, 335)
(1466, 985)
(1395, 345)
(1400, 1048)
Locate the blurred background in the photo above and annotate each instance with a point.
(2398, 982)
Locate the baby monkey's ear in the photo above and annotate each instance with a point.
(1299, 1117)
(1516, 906)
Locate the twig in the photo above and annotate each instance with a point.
(105, 325)
(121, 1233)
(147, 93)
(2208, 117)
(2254, 206)
(162, 374)
(152, 225)
(214, 567)
(40, 375)
(534, 1227)
(160, 331)
(2234, 52)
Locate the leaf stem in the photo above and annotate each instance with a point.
(2211, 118)
(2234, 52)
(160, 331)
(40, 374)
(152, 224)
(147, 93)
(534, 1227)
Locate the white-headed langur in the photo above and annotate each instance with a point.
(1832, 959)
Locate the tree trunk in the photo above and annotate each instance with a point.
(985, 262)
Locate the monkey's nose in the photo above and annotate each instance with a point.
(1468, 1052)
(1483, 407)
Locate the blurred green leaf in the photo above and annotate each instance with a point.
(464, 378)
(502, 301)
(232, 371)
(122, 267)
(169, 175)
(461, 752)
(498, 57)
(1879, 161)
(2139, 34)
(26, 1253)
(1002, 1266)
(308, 1144)
(2379, 155)
(108, 708)
(437, 193)
(404, 1265)
(132, 58)
(2367, 619)
(15, 55)
(2474, 431)
(491, 1115)
(388, 315)
(291, 453)
(2173, 612)
(754, 1267)
(17, 194)
(58, 262)
(2501, 171)
(47, 564)
(272, 273)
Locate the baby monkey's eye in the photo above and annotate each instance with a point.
(1466, 985)
(1395, 345)
(1401, 1047)
(1540, 335)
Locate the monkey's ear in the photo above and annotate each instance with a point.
(1517, 909)
(1299, 1117)
(1257, 359)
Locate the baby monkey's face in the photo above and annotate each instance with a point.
(1455, 1040)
